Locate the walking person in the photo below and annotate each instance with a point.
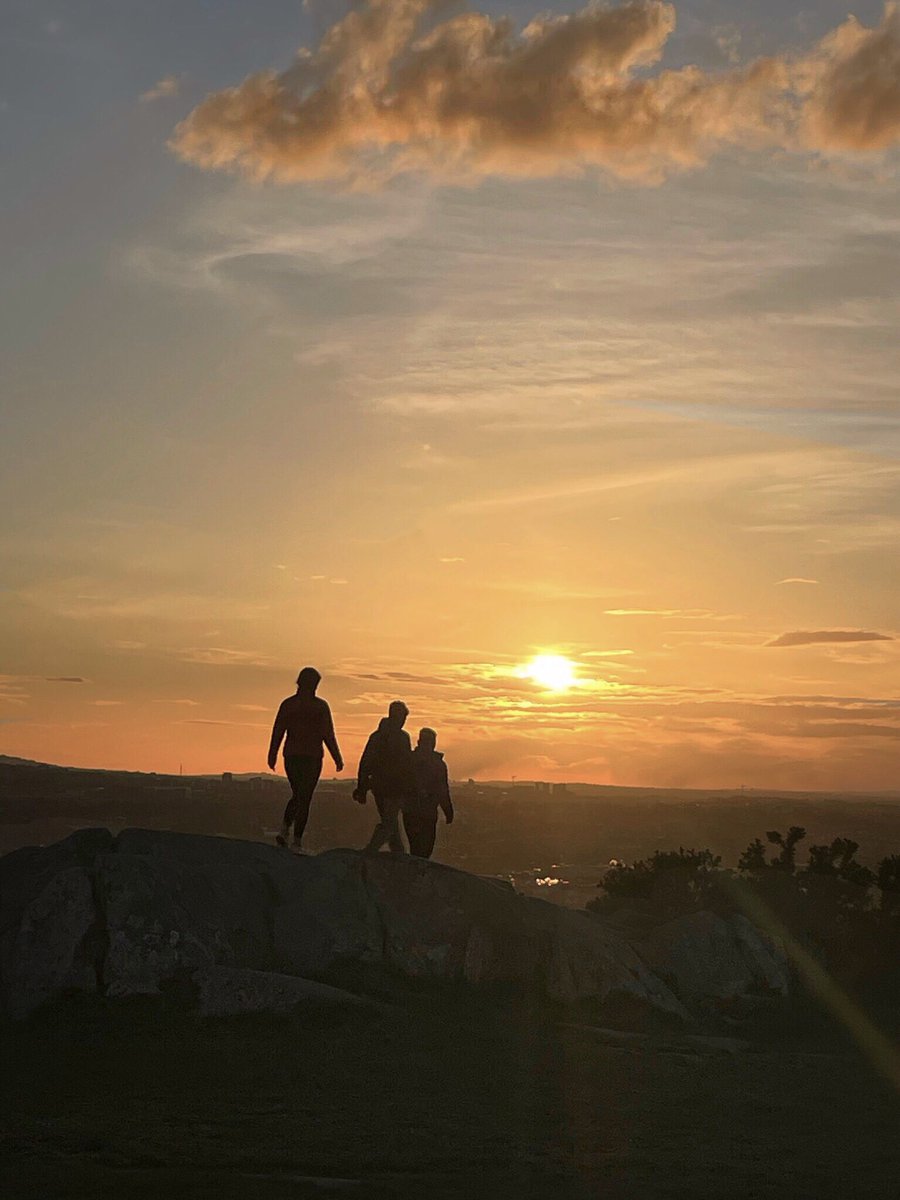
(386, 769)
(304, 722)
(432, 793)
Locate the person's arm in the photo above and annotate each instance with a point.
(445, 802)
(330, 740)
(278, 732)
(364, 772)
(411, 782)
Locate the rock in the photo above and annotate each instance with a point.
(47, 919)
(57, 947)
(229, 991)
(130, 914)
(329, 919)
(718, 1045)
(766, 958)
(164, 917)
(25, 873)
(591, 962)
(706, 958)
(441, 923)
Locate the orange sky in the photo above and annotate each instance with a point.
(416, 412)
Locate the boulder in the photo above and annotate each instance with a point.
(329, 920)
(25, 873)
(442, 923)
(707, 959)
(48, 924)
(57, 947)
(163, 917)
(128, 915)
(230, 991)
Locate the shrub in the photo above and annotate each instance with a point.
(675, 880)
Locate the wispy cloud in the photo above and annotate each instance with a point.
(796, 579)
(814, 637)
(163, 89)
(224, 656)
(233, 724)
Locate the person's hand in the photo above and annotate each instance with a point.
(359, 795)
(339, 765)
(448, 816)
(273, 760)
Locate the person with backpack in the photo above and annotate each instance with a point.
(432, 793)
(304, 722)
(386, 770)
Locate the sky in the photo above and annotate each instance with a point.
(462, 336)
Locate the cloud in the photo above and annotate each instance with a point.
(391, 88)
(815, 637)
(222, 656)
(230, 724)
(162, 90)
(796, 579)
(855, 101)
(64, 679)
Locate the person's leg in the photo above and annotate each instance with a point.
(303, 774)
(416, 833)
(307, 777)
(410, 828)
(290, 809)
(379, 833)
(390, 819)
(429, 833)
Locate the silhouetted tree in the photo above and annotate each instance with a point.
(839, 859)
(785, 860)
(753, 858)
(888, 881)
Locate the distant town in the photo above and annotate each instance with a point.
(550, 838)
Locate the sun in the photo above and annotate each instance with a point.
(551, 671)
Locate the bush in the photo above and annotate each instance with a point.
(846, 913)
(674, 880)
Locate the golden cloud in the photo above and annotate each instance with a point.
(391, 88)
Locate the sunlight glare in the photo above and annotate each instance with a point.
(551, 671)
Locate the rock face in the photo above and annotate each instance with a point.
(707, 959)
(229, 991)
(252, 926)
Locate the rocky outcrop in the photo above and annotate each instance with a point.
(256, 929)
(230, 991)
(51, 939)
(711, 961)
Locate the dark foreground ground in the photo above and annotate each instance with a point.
(450, 1098)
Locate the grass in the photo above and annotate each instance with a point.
(441, 1097)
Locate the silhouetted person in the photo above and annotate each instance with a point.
(432, 793)
(304, 721)
(386, 769)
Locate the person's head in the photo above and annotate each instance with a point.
(397, 713)
(427, 739)
(308, 681)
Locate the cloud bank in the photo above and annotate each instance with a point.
(392, 88)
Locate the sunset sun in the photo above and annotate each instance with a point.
(551, 671)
